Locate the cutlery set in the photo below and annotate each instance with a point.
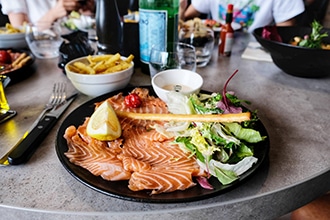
(26, 146)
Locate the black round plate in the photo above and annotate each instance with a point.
(119, 189)
(23, 72)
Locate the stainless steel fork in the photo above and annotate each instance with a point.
(58, 96)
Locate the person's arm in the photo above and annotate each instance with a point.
(58, 11)
(285, 12)
(290, 22)
(190, 13)
(17, 19)
(182, 8)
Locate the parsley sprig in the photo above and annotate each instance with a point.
(314, 40)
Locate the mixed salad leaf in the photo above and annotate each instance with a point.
(76, 21)
(314, 39)
(223, 150)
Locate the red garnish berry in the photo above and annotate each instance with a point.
(133, 100)
(5, 57)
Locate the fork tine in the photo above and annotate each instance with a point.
(53, 100)
(63, 92)
(59, 93)
(54, 95)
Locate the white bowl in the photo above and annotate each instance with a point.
(14, 40)
(98, 84)
(165, 81)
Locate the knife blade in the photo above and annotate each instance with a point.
(24, 149)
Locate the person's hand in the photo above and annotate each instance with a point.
(78, 5)
(71, 5)
(88, 7)
(58, 11)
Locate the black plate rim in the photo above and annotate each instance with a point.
(117, 190)
(14, 75)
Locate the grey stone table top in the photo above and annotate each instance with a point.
(295, 112)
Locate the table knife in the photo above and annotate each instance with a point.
(30, 141)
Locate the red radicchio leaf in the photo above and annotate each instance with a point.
(203, 182)
(270, 33)
(230, 109)
(225, 103)
(224, 91)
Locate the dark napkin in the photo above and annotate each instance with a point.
(270, 33)
(75, 45)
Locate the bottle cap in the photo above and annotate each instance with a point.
(230, 7)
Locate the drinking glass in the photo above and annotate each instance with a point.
(202, 38)
(175, 56)
(5, 111)
(44, 39)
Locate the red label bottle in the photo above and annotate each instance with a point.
(227, 34)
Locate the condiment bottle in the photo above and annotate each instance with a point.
(108, 27)
(158, 25)
(227, 33)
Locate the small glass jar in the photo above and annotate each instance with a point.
(202, 38)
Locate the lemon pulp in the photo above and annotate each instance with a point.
(104, 124)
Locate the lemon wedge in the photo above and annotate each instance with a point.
(104, 124)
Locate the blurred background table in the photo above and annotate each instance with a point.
(295, 112)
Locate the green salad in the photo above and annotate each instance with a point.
(223, 150)
(312, 40)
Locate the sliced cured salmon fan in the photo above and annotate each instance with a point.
(144, 157)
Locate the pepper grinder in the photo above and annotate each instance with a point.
(108, 27)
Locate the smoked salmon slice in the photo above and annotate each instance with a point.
(161, 182)
(148, 159)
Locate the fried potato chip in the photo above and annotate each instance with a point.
(129, 59)
(83, 68)
(19, 59)
(99, 58)
(108, 63)
(10, 29)
(74, 69)
(113, 59)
